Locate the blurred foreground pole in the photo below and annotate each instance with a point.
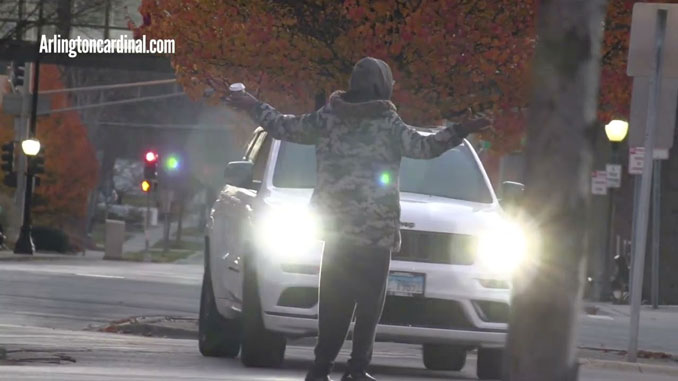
(546, 300)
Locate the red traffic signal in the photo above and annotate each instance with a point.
(151, 156)
(146, 186)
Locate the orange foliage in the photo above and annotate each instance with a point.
(447, 55)
(71, 167)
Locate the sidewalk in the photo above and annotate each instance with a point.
(608, 328)
(663, 312)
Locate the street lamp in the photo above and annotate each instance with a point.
(31, 147)
(24, 245)
(616, 132)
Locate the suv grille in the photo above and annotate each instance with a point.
(424, 312)
(443, 248)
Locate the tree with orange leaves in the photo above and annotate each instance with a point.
(447, 56)
(71, 167)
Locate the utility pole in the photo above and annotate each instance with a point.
(541, 343)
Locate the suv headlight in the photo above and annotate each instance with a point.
(287, 233)
(503, 249)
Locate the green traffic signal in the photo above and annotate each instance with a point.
(172, 163)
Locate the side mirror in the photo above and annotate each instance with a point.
(511, 193)
(239, 173)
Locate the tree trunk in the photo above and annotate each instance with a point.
(542, 338)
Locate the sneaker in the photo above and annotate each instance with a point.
(357, 376)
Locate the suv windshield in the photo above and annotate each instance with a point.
(454, 174)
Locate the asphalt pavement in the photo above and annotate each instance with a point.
(47, 306)
(76, 294)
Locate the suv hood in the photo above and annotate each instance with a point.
(418, 211)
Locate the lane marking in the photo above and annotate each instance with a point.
(100, 276)
(600, 317)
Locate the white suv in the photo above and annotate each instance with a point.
(448, 287)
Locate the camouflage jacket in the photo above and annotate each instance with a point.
(359, 147)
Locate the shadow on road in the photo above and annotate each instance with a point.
(404, 372)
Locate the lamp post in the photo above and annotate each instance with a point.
(616, 132)
(24, 245)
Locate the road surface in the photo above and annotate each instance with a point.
(47, 305)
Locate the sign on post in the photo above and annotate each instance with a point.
(653, 57)
(666, 115)
(599, 183)
(613, 172)
(637, 156)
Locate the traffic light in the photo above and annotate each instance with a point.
(151, 165)
(17, 73)
(172, 163)
(36, 164)
(146, 186)
(8, 157)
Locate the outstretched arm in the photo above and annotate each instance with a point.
(416, 145)
(301, 129)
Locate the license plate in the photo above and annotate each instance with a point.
(405, 284)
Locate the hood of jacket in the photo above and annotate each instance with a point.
(371, 79)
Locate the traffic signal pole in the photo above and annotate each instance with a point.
(147, 254)
(148, 185)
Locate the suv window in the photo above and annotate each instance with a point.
(253, 145)
(455, 174)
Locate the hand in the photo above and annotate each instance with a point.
(478, 122)
(241, 100)
(476, 125)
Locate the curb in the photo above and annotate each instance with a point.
(629, 367)
(28, 258)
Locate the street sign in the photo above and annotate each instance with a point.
(613, 172)
(599, 183)
(653, 53)
(666, 117)
(637, 156)
(642, 53)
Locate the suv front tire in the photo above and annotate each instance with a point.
(217, 336)
(261, 348)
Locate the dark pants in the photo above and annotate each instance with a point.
(351, 278)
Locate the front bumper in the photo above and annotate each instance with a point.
(296, 326)
(451, 310)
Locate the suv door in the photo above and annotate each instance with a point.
(233, 211)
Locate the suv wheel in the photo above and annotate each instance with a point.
(217, 336)
(444, 357)
(490, 361)
(261, 348)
